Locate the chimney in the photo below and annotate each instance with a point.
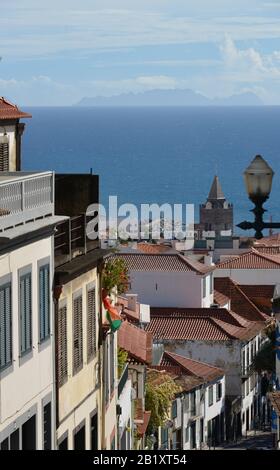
(132, 301)
(208, 259)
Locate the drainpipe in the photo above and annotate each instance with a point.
(56, 295)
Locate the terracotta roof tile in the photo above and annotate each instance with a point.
(251, 260)
(169, 262)
(239, 301)
(191, 367)
(137, 342)
(269, 250)
(203, 324)
(271, 240)
(10, 111)
(152, 248)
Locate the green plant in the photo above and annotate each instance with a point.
(158, 400)
(122, 360)
(115, 275)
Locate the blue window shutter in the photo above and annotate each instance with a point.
(41, 304)
(28, 312)
(8, 324)
(22, 315)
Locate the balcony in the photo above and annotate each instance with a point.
(123, 380)
(25, 197)
(71, 239)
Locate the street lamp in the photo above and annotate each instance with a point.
(258, 181)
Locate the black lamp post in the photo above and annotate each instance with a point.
(258, 181)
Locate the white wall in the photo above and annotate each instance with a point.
(30, 378)
(167, 289)
(223, 354)
(125, 419)
(250, 276)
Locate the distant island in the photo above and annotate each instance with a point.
(171, 98)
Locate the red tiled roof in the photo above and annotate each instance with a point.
(262, 291)
(271, 240)
(269, 250)
(169, 262)
(251, 260)
(137, 342)
(130, 315)
(220, 298)
(205, 324)
(10, 111)
(191, 367)
(239, 302)
(142, 427)
(152, 248)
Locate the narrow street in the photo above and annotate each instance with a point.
(260, 440)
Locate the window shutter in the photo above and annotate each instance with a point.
(78, 334)
(5, 325)
(62, 346)
(44, 301)
(4, 154)
(91, 326)
(26, 312)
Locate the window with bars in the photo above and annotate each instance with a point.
(44, 301)
(77, 333)
(4, 154)
(62, 346)
(25, 307)
(91, 323)
(5, 325)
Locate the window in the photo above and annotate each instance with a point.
(29, 434)
(243, 362)
(47, 415)
(219, 389)
(63, 445)
(201, 430)
(91, 326)
(78, 334)
(112, 364)
(4, 153)
(211, 283)
(174, 409)
(248, 356)
(80, 439)
(44, 301)
(5, 325)
(193, 407)
(94, 432)
(210, 395)
(204, 287)
(25, 308)
(62, 346)
(14, 440)
(187, 434)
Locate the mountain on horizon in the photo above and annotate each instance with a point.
(184, 97)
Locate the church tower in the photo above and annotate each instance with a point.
(11, 130)
(216, 215)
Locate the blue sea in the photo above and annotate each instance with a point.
(158, 155)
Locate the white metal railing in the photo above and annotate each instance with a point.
(24, 197)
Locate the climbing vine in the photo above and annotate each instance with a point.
(158, 399)
(122, 360)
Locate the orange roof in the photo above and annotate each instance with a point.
(269, 250)
(271, 240)
(201, 324)
(251, 260)
(239, 302)
(152, 248)
(130, 315)
(191, 367)
(10, 111)
(169, 262)
(137, 342)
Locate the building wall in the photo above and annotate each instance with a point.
(169, 289)
(29, 381)
(250, 276)
(79, 396)
(125, 419)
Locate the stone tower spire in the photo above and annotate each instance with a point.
(216, 191)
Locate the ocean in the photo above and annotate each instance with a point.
(158, 155)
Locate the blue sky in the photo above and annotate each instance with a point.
(56, 52)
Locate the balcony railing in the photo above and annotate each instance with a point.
(25, 197)
(123, 380)
(71, 239)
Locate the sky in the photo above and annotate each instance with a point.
(59, 51)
